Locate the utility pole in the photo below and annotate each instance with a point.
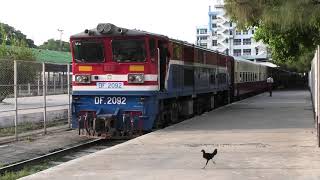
(61, 32)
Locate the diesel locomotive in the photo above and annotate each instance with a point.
(126, 82)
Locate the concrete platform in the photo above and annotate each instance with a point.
(257, 138)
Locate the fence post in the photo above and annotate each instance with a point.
(29, 89)
(48, 82)
(39, 86)
(54, 82)
(44, 97)
(61, 83)
(69, 96)
(317, 89)
(15, 86)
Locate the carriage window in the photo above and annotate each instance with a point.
(246, 77)
(212, 77)
(259, 76)
(243, 77)
(88, 51)
(129, 50)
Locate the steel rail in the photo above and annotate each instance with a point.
(20, 165)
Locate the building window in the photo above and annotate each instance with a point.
(203, 44)
(238, 32)
(197, 31)
(257, 51)
(214, 16)
(252, 31)
(237, 52)
(237, 42)
(246, 52)
(244, 32)
(203, 31)
(203, 38)
(227, 40)
(230, 32)
(214, 43)
(214, 25)
(247, 41)
(227, 51)
(214, 33)
(230, 24)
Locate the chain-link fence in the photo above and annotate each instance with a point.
(34, 97)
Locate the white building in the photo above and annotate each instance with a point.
(222, 35)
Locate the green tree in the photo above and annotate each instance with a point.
(18, 50)
(54, 45)
(11, 33)
(290, 28)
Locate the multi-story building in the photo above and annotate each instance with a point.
(221, 34)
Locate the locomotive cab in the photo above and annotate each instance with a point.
(115, 77)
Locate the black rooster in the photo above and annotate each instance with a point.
(209, 156)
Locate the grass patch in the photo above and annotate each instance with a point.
(9, 131)
(32, 169)
(28, 126)
(24, 172)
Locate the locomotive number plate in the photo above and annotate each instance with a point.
(109, 85)
(110, 100)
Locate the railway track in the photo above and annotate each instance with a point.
(63, 155)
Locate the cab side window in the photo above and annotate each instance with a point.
(152, 49)
(177, 51)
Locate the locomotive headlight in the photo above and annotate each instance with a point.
(85, 79)
(136, 78)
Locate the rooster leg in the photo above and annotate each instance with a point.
(206, 164)
(213, 161)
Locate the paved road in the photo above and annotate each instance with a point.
(33, 102)
(30, 109)
(258, 138)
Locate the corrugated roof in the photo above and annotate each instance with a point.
(43, 55)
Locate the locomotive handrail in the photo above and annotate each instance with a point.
(158, 54)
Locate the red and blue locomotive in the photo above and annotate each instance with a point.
(126, 82)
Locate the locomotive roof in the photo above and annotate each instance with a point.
(128, 32)
(134, 32)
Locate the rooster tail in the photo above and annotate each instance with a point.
(215, 151)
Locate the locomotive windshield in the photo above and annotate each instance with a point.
(129, 50)
(88, 51)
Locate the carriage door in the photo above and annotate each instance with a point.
(164, 62)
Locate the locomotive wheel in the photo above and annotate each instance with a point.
(174, 113)
(198, 108)
(158, 124)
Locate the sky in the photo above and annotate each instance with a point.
(41, 19)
